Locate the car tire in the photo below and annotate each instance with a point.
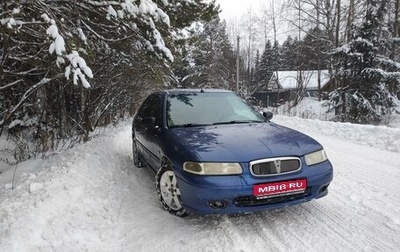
(168, 191)
(137, 159)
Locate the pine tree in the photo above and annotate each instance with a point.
(365, 72)
(267, 64)
(209, 58)
(314, 54)
(288, 60)
(67, 67)
(257, 73)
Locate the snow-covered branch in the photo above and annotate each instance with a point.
(27, 93)
(11, 84)
(79, 69)
(114, 49)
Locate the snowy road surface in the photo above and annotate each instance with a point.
(91, 198)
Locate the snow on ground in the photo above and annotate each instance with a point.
(91, 198)
(311, 108)
(380, 137)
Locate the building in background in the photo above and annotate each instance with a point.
(284, 86)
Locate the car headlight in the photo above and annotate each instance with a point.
(315, 157)
(212, 168)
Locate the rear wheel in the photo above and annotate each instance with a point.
(168, 191)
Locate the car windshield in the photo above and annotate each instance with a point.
(197, 109)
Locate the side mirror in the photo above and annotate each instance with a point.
(149, 122)
(268, 115)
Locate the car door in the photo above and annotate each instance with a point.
(147, 127)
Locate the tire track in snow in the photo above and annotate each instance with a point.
(368, 184)
(369, 188)
(237, 233)
(372, 181)
(353, 217)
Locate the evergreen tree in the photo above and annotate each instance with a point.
(67, 67)
(314, 53)
(364, 73)
(267, 64)
(276, 57)
(209, 59)
(288, 61)
(256, 78)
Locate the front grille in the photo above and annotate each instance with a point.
(275, 166)
(248, 201)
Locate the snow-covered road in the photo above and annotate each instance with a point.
(91, 198)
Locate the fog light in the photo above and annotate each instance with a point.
(218, 204)
(323, 189)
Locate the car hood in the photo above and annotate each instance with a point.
(240, 142)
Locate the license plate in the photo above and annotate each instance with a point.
(280, 188)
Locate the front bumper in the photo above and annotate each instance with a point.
(234, 194)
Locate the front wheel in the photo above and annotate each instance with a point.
(168, 191)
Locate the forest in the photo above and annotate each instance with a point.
(68, 67)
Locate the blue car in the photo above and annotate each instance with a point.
(214, 154)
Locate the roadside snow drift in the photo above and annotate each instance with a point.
(91, 198)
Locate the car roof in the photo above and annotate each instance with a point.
(187, 90)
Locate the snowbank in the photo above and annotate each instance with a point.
(91, 198)
(381, 137)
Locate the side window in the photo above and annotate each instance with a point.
(152, 108)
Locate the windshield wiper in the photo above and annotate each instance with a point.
(238, 121)
(189, 125)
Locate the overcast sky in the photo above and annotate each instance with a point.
(236, 8)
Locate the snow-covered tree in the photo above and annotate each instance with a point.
(257, 73)
(266, 66)
(314, 50)
(69, 66)
(209, 60)
(364, 71)
(288, 53)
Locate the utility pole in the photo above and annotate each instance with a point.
(319, 55)
(237, 65)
